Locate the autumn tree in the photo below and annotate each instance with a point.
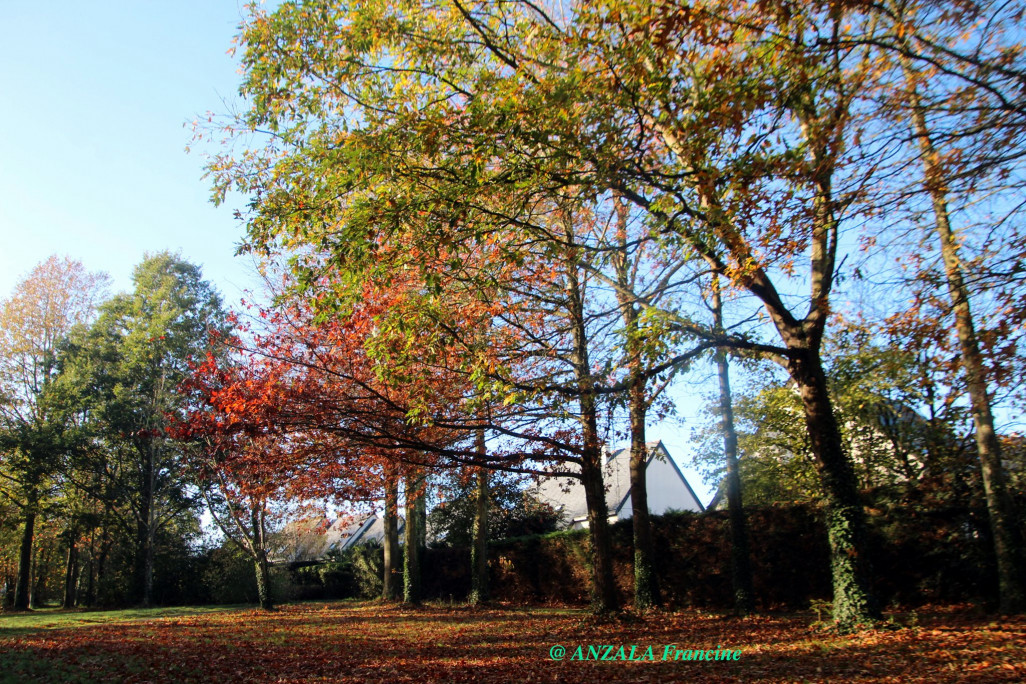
(330, 427)
(57, 295)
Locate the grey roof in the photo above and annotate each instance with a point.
(566, 494)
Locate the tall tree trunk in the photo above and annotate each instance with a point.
(101, 565)
(90, 592)
(23, 588)
(479, 548)
(391, 585)
(1004, 521)
(411, 552)
(854, 604)
(263, 578)
(646, 585)
(604, 598)
(71, 572)
(740, 560)
(148, 568)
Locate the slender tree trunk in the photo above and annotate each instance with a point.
(411, 552)
(90, 592)
(604, 598)
(646, 585)
(854, 604)
(71, 573)
(38, 578)
(740, 559)
(101, 565)
(23, 588)
(1004, 521)
(143, 571)
(390, 581)
(479, 549)
(148, 568)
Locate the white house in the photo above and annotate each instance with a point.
(668, 489)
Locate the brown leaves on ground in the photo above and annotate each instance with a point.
(347, 642)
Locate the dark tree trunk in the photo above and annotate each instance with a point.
(71, 573)
(479, 548)
(263, 578)
(90, 592)
(740, 561)
(391, 582)
(101, 564)
(411, 552)
(23, 588)
(259, 549)
(740, 558)
(604, 598)
(646, 585)
(854, 605)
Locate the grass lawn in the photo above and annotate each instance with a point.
(357, 642)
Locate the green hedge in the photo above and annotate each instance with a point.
(918, 555)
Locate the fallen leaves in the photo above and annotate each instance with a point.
(350, 642)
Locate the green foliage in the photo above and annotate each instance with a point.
(228, 576)
(899, 425)
(512, 512)
(353, 573)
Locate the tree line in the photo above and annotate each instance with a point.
(90, 385)
(501, 235)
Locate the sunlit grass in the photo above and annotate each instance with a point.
(18, 624)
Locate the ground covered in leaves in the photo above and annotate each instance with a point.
(361, 642)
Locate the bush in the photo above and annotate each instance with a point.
(353, 573)
(229, 576)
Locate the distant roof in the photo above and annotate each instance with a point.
(314, 538)
(566, 494)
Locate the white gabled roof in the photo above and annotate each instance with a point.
(566, 494)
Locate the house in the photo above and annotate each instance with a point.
(668, 489)
(315, 538)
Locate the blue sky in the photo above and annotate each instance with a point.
(97, 99)
(92, 143)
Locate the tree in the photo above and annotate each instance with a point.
(140, 350)
(740, 561)
(57, 295)
(944, 176)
